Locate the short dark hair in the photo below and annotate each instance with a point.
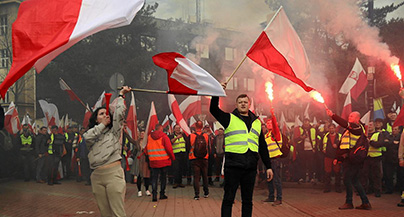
(198, 125)
(42, 127)
(54, 127)
(379, 120)
(243, 95)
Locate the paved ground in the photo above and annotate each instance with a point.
(31, 199)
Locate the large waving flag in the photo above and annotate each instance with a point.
(185, 77)
(131, 119)
(347, 107)
(356, 81)
(175, 109)
(151, 123)
(280, 50)
(191, 106)
(44, 29)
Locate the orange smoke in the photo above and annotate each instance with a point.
(317, 96)
(269, 89)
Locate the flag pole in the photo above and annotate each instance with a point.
(81, 102)
(144, 90)
(245, 56)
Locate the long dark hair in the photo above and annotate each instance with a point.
(93, 119)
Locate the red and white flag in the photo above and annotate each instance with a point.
(27, 120)
(66, 122)
(151, 123)
(61, 125)
(44, 29)
(11, 120)
(166, 122)
(347, 107)
(356, 81)
(54, 112)
(87, 116)
(100, 101)
(191, 106)
(192, 122)
(131, 119)
(175, 109)
(186, 77)
(306, 111)
(69, 91)
(365, 120)
(280, 50)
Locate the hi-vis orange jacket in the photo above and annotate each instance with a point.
(159, 150)
(192, 139)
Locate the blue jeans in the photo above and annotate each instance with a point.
(163, 180)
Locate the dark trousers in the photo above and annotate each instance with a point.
(139, 183)
(211, 164)
(155, 172)
(200, 169)
(85, 170)
(351, 177)
(372, 170)
(276, 182)
(389, 170)
(40, 168)
(52, 162)
(66, 163)
(233, 177)
(180, 166)
(329, 167)
(218, 165)
(27, 159)
(307, 159)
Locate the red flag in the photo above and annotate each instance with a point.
(131, 119)
(356, 81)
(275, 128)
(175, 109)
(151, 123)
(87, 116)
(400, 119)
(185, 77)
(69, 91)
(347, 107)
(11, 120)
(44, 29)
(191, 106)
(280, 50)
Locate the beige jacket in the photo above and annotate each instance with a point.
(102, 142)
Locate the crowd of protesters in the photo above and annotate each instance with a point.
(53, 155)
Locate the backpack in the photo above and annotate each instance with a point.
(200, 146)
(7, 144)
(359, 152)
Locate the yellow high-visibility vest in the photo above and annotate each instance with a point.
(273, 148)
(237, 138)
(349, 140)
(179, 145)
(372, 151)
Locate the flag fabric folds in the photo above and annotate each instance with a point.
(87, 116)
(186, 77)
(131, 119)
(151, 123)
(400, 119)
(191, 106)
(378, 111)
(44, 29)
(11, 121)
(175, 109)
(356, 81)
(69, 91)
(347, 107)
(280, 50)
(365, 120)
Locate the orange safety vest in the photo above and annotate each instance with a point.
(193, 138)
(155, 149)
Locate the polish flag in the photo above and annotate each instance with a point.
(217, 126)
(44, 29)
(365, 120)
(191, 106)
(54, 115)
(27, 120)
(185, 77)
(347, 107)
(175, 109)
(87, 116)
(11, 120)
(192, 122)
(280, 50)
(46, 111)
(131, 119)
(100, 101)
(151, 123)
(356, 81)
(69, 91)
(166, 122)
(66, 122)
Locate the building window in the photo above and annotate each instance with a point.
(4, 58)
(202, 50)
(233, 84)
(148, 43)
(229, 54)
(3, 24)
(250, 84)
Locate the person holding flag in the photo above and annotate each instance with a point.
(102, 139)
(243, 143)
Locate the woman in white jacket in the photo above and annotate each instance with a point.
(102, 139)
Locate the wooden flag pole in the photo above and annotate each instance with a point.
(145, 90)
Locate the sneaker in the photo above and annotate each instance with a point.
(163, 197)
(364, 206)
(196, 197)
(346, 206)
(300, 181)
(148, 193)
(269, 200)
(206, 195)
(277, 203)
(401, 204)
(175, 186)
(139, 193)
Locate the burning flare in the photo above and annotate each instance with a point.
(316, 96)
(396, 70)
(269, 90)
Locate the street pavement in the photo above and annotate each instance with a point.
(30, 199)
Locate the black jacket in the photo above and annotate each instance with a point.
(249, 159)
